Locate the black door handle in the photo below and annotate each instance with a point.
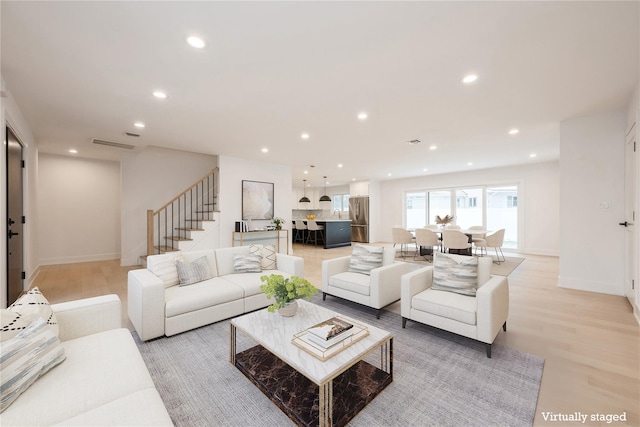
(11, 234)
(624, 223)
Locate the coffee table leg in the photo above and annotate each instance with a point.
(386, 357)
(326, 404)
(232, 344)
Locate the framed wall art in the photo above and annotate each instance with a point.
(257, 200)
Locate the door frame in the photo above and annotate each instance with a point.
(632, 231)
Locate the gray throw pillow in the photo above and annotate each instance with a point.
(451, 275)
(193, 272)
(365, 258)
(246, 264)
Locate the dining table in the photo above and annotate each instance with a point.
(470, 233)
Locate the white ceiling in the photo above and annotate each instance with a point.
(273, 70)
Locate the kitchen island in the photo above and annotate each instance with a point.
(337, 232)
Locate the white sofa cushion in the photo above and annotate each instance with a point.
(250, 282)
(455, 273)
(354, 282)
(451, 305)
(224, 258)
(164, 266)
(190, 256)
(25, 358)
(185, 299)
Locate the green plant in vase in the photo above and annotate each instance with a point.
(278, 222)
(285, 291)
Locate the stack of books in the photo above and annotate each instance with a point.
(330, 332)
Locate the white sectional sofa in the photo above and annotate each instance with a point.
(158, 305)
(103, 380)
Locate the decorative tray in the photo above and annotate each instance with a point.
(300, 340)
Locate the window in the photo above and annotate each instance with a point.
(492, 207)
(340, 202)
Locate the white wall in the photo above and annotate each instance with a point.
(232, 171)
(592, 194)
(79, 203)
(538, 202)
(10, 115)
(151, 178)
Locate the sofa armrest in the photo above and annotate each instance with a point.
(291, 264)
(385, 283)
(333, 266)
(145, 304)
(412, 284)
(493, 307)
(88, 316)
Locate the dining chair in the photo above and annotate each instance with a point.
(432, 226)
(403, 237)
(456, 240)
(426, 238)
(494, 240)
(452, 227)
(477, 237)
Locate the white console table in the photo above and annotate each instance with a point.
(278, 238)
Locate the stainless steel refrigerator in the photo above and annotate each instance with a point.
(359, 216)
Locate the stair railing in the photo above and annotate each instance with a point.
(172, 222)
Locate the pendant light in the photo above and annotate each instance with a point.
(304, 198)
(325, 198)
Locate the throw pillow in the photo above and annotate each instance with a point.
(25, 358)
(455, 275)
(246, 264)
(31, 305)
(268, 258)
(13, 323)
(365, 258)
(164, 266)
(193, 272)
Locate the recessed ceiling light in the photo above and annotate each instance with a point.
(339, 165)
(196, 42)
(514, 131)
(425, 169)
(306, 172)
(389, 174)
(304, 136)
(73, 151)
(469, 163)
(470, 78)
(265, 150)
(433, 147)
(159, 94)
(362, 116)
(532, 155)
(139, 125)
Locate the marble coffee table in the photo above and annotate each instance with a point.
(311, 391)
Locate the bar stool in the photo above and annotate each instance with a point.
(300, 228)
(314, 228)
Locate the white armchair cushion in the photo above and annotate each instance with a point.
(447, 304)
(457, 274)
(365, 258)
(354, 282)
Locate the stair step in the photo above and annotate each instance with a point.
(188, 229)
(163, 249)
(178, 239)
(198, 220)
(205, 212)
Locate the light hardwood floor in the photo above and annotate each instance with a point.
(590, 342)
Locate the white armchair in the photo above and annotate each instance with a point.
(377, 289)
(477, 317)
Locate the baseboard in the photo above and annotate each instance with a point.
(582, 284)
(81, 258)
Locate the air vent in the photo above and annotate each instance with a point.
(135, 135)
(414, 142)
(112, 144)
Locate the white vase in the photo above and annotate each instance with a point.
(289, 309)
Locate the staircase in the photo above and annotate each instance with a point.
(188, 221)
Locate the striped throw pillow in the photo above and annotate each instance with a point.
(193, 272)
(164, 266)
(455, 274)
(365, 258)
(25, 358)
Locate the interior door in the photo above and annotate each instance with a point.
(631, 206)
(15, 218)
